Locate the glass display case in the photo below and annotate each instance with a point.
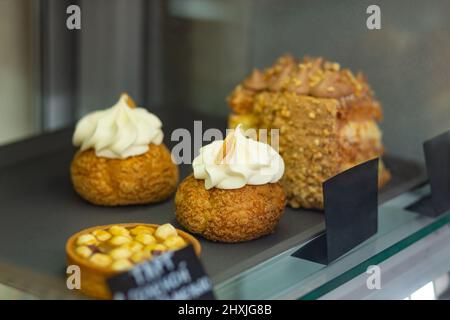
(411, 250)
(180, 60)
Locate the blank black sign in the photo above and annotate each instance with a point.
(351, 206)
(437, 157)
(176, 275)
(351, 213)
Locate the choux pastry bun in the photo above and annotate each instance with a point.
(234, 194)
(121, 158)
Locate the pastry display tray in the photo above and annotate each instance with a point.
(39, 211)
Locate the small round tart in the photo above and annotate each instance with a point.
(233, 215)
(148, 178)
(104, 251)
(122, 159)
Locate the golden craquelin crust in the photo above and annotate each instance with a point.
(147, 178)
(233, 215)
(311, 101)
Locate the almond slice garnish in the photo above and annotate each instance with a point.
(130, 102)
(227, 148)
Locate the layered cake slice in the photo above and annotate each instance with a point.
(327, 118)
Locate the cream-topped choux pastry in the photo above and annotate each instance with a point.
(122, 159)
(234, 194)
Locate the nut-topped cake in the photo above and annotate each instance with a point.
(327, 118)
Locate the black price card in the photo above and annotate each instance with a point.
(175, 275)
(351, 213)
(437, 156)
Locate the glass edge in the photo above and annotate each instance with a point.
(377, 259)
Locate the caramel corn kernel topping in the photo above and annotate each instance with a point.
(101, 235)
(120, 248)
(119, 231)
(122, 265)
(86, 239)
(101, 260)
(142, 229)
(145, 238)
(83, 251)
(165, 231)
(119, 240)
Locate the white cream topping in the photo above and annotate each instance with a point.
(119, 132)
(236, 161)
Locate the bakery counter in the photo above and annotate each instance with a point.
(40, 211)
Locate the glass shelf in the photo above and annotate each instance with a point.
(287, 277)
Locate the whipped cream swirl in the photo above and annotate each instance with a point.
(119, 132)
(236, 161)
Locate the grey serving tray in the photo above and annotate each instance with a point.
(39, 211)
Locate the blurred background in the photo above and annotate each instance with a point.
(186, 55)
